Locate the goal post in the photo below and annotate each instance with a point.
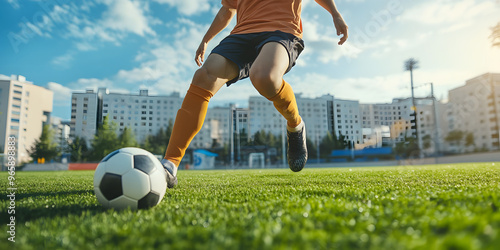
(257, 159)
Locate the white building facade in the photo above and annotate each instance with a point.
(24, 109)
(396, 116)
(143, 114)
(475, 108)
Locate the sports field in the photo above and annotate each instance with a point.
(434, 207)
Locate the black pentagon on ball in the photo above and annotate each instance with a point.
(111, 186)
(110, 155)
(144, 163)
(149, 200)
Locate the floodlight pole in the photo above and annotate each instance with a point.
(436, 125)
(410, 65)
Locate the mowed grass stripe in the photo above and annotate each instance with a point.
(440, 206)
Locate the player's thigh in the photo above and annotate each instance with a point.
(215, 72)
(271, 63)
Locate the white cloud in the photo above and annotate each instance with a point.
(374, 89)
(83, 84)
(61, 93)
(321, 43)
(85, 46)
(448, 11)
(119, 19)
(187, 7)
(127, 16)
(168, 66)
(64, 60)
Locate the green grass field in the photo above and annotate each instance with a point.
(434, 207)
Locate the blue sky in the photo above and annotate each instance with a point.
(129, 45)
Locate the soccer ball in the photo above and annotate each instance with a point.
(129, 178)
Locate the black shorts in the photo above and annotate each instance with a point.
(242, 49)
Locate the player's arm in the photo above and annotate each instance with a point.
(339, 22)
(220, 22)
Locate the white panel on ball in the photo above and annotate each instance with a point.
(135, 184)
(99, 173)
(100, 197)
(123, 202)
(120, 163)
(158, 182)
(135, 151)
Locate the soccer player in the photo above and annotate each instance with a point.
(263, 45)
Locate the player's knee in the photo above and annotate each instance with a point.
(265, 82)
(202, 77)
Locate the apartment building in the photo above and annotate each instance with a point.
(142, 113)
(475, 108)
(396, 117)
(24, 108)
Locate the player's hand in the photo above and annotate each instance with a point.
(341, 28)
(200, 53)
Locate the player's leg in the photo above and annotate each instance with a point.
(266, 75)
(207, 81)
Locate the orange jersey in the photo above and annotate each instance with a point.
(266, 15)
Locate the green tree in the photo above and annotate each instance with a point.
(79, 150)
(127, 138)
(331, 142)
(407, 148)
(105, 140)
(45, 146)
(327, 145)
(426, 141)
(312, 151)
(266, 138)
(469, 139)
(158, 143)
(455, 137)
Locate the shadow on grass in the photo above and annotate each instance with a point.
(24, 214)
(35, 195)
(37, 209)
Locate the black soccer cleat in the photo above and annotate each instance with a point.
(297, 148)
(170, 173)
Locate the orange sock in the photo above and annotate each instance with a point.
(188, 122)
(284, 101)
